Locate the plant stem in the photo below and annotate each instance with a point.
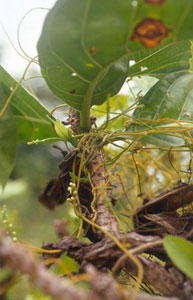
(87, 101)
(105, 217)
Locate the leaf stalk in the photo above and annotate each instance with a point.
(87, 101)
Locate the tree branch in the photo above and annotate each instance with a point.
(166, 282)
(18, 258)
(105, 217)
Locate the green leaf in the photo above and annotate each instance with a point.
(170, 98)
(8, 140)
(85, 45)
(181, 253)
(75, 178)
(62, 131)
(162, 61)
(82, 51)
(30, 116)
(81, 48)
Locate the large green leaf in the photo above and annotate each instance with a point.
(162, 61)
(8, 140)
(181, 253)
(30, 115)
(81, 46)
(170, 98)
(84, 46)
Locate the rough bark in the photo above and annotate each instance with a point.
(103, 254)
(106, 255)
(105, 217)
(18, 258)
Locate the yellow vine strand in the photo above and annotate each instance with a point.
(159, 165)
(12, 44)
(149, 177)
(116, 241)
(93, 200)
(19, 27)
(56, 107)
(77, 201)
(123, 188)
(40, 250)
(59, 262)
(153, 131)
(78, 178)
(128, 253)
(15, 88)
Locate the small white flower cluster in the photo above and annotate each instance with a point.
(73, 192)
(6, 224)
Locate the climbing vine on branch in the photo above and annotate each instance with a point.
(123, 156)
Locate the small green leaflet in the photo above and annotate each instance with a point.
(75, 178)
(181, 253)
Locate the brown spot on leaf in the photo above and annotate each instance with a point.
(92, 50)
(155, 2)
(72, 91)
(150, 32)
